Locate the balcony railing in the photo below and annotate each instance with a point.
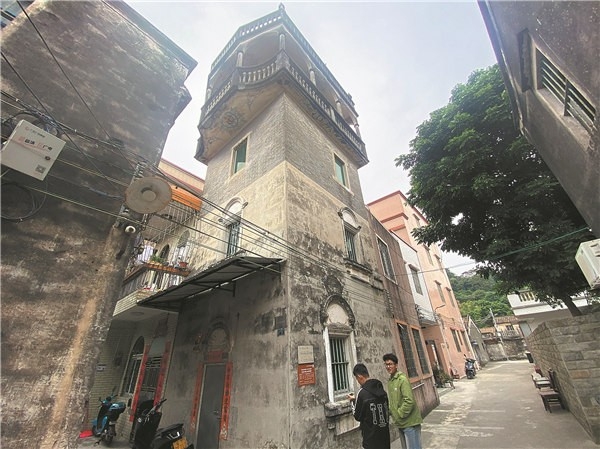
(426, 317)
(270, 21)
(153, 277)
(245, 77)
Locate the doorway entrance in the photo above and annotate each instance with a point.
(209, 420)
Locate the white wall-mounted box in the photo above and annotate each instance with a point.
(31, 150)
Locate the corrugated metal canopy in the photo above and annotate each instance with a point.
(218, 275)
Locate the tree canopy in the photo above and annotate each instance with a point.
(488, 195)
(476, 296)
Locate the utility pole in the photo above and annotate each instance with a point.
(499, 334)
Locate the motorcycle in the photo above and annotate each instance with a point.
(470, 368)
(149, 436)
(104, 426)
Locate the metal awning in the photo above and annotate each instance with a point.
(219, 275)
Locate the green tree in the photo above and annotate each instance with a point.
(477, 295)
(488, 195)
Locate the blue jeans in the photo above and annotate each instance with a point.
(410, 437)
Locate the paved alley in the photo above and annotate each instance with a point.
(498, 409)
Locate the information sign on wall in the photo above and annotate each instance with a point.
(306, 374)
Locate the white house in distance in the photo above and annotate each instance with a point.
(532, 313)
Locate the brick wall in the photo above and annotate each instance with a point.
(571, 347)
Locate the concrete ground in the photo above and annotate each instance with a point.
(500, 409)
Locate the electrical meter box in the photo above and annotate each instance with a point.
(31, 150)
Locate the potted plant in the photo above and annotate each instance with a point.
(157, 259)
(446, 379)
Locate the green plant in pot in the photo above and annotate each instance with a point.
(157, 259)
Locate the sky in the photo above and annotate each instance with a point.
(399, 60)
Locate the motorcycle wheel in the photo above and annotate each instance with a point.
(108, 439)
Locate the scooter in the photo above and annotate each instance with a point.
(149, 436)
(104, 426)
(470, 368)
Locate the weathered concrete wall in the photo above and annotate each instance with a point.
(571, 347)
(513, 349)
(521, 30)
(158, 334)
(62, 268)
(269, 316)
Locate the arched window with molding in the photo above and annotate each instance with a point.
(232, 220)
(351, 230)
(340, 347)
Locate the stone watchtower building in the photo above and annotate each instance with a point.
(289, 298)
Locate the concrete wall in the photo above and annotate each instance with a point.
(62, 268)
(288, 188)
(571, 347)
(521, 30)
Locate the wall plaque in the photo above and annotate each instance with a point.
(306, 374)
(305, 354)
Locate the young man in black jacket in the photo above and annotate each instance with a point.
(371, 408)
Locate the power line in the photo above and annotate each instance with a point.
(48, 117)
(62, 70)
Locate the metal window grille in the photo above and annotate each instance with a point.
(420, 351)
(339, 364)
(350, 236)
(573, 101)
(233, 237)
(151, 375)
(416, 281)
(409, 358)
(388, 268)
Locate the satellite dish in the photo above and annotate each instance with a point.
(148, 195)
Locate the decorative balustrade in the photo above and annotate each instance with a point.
(216, 98)
(271, 20)
(245, 31)
(314, 56)
(251, 76)
(254, 75)
(309, 88)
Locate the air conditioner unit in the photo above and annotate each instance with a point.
(588, 259)
(31, 150)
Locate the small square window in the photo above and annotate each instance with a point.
(340, 171)
(239, 155)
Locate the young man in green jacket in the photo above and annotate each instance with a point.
(403, 408)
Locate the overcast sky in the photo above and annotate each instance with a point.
(399, 60)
